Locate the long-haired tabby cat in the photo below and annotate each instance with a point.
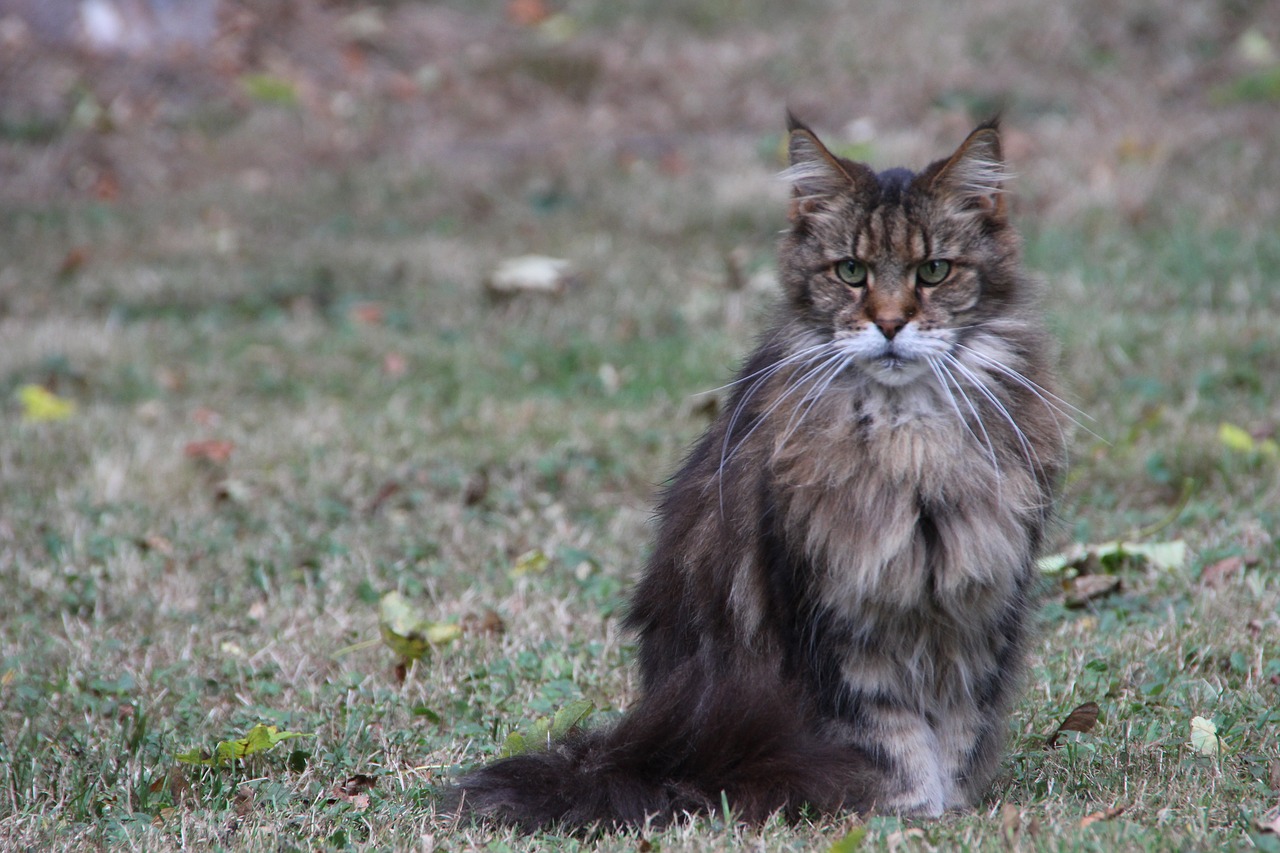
(835, 614)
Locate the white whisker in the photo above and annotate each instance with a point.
(973, 410)
(938, 371)
(809, 363)
(772, 368)
(836, 366)
(1052, 401)
(1028, 452)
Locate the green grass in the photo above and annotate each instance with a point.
(157, 603)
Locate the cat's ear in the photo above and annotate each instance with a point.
(814, 172)
(976, 174)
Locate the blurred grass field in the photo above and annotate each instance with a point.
(292, 395)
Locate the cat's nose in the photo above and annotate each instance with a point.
(890, 326)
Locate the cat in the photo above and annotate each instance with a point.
(835, 613)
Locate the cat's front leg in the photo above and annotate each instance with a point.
(969, 745)
(915, 782)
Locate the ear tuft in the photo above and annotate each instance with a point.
(814, 172)
(976, 173)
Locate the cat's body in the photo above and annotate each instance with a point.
(835, 612)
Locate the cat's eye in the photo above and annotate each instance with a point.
(933, 272)
(851, 272)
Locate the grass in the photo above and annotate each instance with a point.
(392, 429)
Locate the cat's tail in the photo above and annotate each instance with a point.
(690, 746)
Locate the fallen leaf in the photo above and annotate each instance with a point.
(1255, 48)
(1216, 574)
(1085, 588)
(385, 492)
(850, 841)
(488, 622)
(1236, 438)
(409, 634)
(530, 563)
(73, 261)
(1090, 559)
(1274, 776)
(530, 274)
(180, 790)
(40, 404)
(260, 738)
(357, 783)
(547, 729)
(1106, 814)
(354, 790)
(368, 313)
(527, 13)
(269, 88)
(215, 450)
(154, 542)
(244, 800)
(1082, 719)
(1204, 736)
(569, 716)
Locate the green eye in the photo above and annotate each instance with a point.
(851, 272)
(933, 272)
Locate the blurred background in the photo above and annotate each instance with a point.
(1107, 102)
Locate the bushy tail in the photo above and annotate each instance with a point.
(679, 750)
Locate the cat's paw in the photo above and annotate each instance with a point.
(913, 805)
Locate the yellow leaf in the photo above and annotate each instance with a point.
(850, 841)
(260, 738)
(1204, 736)
(41, 404)
(439, 633)
(530, 563)
(1235, 438)
(409, 634)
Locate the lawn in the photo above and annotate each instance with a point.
(290, 394)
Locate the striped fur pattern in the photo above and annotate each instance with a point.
(835, 613)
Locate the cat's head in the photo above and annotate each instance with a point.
(895, 266)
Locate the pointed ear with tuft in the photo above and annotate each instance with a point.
(975, 175)
(814, 172)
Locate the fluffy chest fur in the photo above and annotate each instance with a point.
(899, 508)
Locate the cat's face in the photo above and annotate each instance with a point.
(895, 266)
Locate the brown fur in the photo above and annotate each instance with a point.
(835, 612)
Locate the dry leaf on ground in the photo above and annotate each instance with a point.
(1082, 719)
(1217, 574)
(215, 450)
(1105, 814)
(1079, 591)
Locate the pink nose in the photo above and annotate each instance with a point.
(890, 326)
